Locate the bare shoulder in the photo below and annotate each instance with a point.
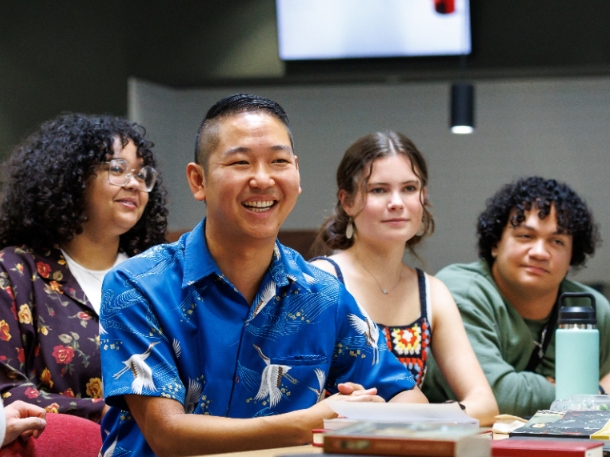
(325, 265)
(440, 297)
(438, 289)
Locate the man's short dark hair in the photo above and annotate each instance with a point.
(207, 137)
(511, 202)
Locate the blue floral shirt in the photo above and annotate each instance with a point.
(173, 326)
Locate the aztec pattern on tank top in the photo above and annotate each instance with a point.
(409, 343)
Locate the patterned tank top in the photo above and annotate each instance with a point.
(409, 343)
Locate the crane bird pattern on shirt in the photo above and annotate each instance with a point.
(268, 383)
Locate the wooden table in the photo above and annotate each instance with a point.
(293, 450)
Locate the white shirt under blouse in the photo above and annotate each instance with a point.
(91, 280)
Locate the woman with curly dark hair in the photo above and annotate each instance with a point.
(382, 209)
(80, 195)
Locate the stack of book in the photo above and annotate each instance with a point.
(400, 439)
(546, 434)
(559, 434)
(433, 419)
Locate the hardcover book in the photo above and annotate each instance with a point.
(568, 424)
(433, 440)
(317, 436)
(546, 447)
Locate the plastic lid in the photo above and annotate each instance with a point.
(582, 403)
(576, 314)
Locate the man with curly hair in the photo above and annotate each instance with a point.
(529, 236)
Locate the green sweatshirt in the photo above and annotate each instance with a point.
(503, 341)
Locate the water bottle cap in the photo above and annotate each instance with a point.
(576, 314)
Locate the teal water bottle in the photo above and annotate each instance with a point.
(576, 348)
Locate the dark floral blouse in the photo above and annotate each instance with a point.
(49, 335)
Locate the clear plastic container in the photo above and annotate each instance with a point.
(582, 403)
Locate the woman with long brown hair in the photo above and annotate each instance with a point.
(382, 209)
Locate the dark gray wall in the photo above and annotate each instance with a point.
(77, 55)
(54, 59)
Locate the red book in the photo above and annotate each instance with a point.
(318, 436)
(400, 439)
(547, 448)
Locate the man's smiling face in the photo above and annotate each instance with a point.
(252, 180)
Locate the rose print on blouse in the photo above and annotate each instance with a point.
(94, 388)
(68, 393)
(83, 318)
(48, 333)
(24, 315)
(30, 392)
(5, 331)
(18, 268)
(45, 377)
(63, 354)
(44, 269)
(52, 408)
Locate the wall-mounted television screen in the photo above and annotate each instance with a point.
(348, 29)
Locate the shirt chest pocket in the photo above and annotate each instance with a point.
(298, 379)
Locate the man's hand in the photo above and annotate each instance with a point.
(23, 420)
(350, 391)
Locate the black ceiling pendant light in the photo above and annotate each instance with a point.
(462, 108)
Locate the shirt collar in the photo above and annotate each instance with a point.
(288, 267)
(199, 263)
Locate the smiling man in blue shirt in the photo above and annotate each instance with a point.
(226, 340)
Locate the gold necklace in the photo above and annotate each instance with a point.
(383, 291)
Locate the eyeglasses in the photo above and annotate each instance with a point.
(119, 174)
